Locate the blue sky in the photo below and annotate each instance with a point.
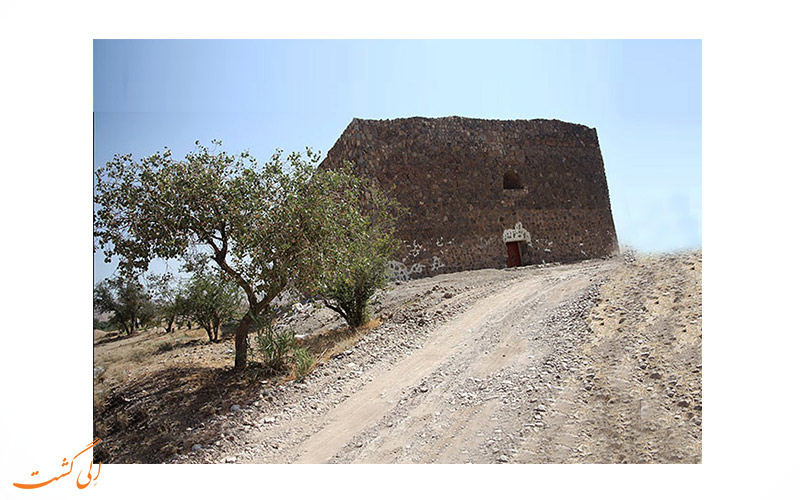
(642, 96)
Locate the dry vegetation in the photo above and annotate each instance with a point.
(151, 387)
(593, 362)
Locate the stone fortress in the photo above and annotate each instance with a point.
(485, 193)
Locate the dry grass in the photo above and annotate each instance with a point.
(145, 421)
(332, 342)
(146, 380)
(153, 386)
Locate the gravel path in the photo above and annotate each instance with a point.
(591, 362)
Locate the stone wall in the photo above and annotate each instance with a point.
(449, 173)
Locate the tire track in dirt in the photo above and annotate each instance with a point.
(478, 343)
(596, 361)
(381, 395)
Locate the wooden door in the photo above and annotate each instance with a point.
(514, 258)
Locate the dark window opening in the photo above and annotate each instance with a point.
(511, 180)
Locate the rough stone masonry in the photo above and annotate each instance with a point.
(485, 193)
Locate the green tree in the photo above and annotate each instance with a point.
(269, 227)
(163, 289)
(126, 300)
(211, 299)
(362, 266)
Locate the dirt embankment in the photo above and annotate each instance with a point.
(598, 361)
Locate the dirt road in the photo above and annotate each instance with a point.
(591, 362)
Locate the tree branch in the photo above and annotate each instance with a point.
(335, 308)
(219, 258)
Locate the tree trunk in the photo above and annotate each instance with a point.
(216, 327)
(240, 342)
(208, 331)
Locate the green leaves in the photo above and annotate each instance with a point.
(210, 299)
(360, 264)
(274, 347)
(127, 302)
(283, 224)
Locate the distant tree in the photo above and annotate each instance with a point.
(126, 300)
(183, 308)
(163, 289)
(210, 299)
(362, 267)
(269, 227)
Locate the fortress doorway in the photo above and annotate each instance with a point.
(514, 256)
(514, 238)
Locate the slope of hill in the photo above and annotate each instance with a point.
(598, 361)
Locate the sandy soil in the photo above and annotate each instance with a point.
(596, 362)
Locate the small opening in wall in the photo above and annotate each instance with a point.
(511, 180)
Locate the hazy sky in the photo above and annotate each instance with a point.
(643, 97)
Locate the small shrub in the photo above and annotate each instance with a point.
(274, 347)
(350, 296)
(304, 362)
(164, 346)
(138, 355)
